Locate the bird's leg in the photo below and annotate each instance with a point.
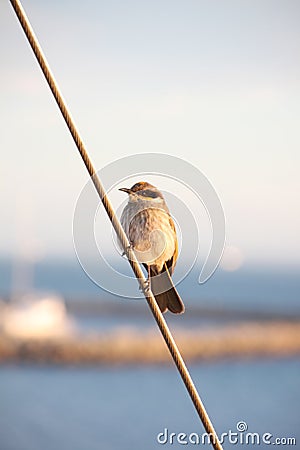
(147, 282)
(130, 246)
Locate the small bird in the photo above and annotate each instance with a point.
(151, 232)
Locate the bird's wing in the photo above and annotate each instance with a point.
(172, 262)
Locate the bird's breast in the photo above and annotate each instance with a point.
(151, 233)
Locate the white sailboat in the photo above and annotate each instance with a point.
(31, 314)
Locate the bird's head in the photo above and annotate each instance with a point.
(143, 191)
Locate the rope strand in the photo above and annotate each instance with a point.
(177, 358)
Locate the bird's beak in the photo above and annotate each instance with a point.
(128, 191)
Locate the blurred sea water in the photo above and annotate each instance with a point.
(261, 289)
(54, 408)
(87, 408)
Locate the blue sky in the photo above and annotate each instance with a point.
(217, 84)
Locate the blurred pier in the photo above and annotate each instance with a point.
(203, 335)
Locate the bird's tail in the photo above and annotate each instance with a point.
(165, 292)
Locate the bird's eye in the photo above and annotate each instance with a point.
(150, 194)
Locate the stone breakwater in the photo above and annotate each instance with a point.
(124, 346)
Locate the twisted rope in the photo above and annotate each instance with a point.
(177, 358)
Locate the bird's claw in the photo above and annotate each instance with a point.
(129, 247)
(146, 286)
